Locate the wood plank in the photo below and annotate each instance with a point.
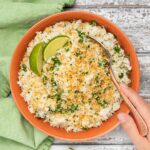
(134, 22)
(93, 147)
(111, 3)
(144, 60)
(117, 136)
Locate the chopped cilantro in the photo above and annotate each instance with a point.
(99, 63)
(121, 75)
(113, 61)
(67, 49)
(103, 103)
(95, 95)
(103, 90)
(91, 60)
(116, 49)
(58, 96)
(53, 82)
(103, 63)
(24, 67)
(76, 91)
(78, 53)
(90, 100)
(85, 128)
(52, 67)
(84, 73)
(93, 23)
(67, 43)
(81, 36)
(81, 40)
(56, 61)
(44, 80)
(97, 79)
(73, 108)
(88, 46)
(58, 108)
(83, 102)
(70, 42)
(48, 96)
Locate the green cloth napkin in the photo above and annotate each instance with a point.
(16, 16)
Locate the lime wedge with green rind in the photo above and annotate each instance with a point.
(53, 45)
(36, 58)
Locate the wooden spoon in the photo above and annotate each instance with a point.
(140, 122)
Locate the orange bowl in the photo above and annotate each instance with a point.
(19, 52)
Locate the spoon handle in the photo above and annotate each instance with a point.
(141, 125)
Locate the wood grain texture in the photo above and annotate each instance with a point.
(133, 17)
(134, 22)
(117, 136)
(91, 147)
(144, 60)
(111, 3)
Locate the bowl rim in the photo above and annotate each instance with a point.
(137, 86)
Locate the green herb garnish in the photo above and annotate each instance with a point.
(67, 49)
(81, 36)
(90, 100)
(58, 108)
(48, 96)
(56, 61)
(103, 63)
(116, 49)
(78, 53)
(58, 96)
(93, 23)
(88, 46)
(73, 108)
(103, 103)
(44, 80)
(97, 79)
(95, 95)
(24, 67)
(103, 90)
(84, 128)
(84, 73)
(91, 60)
(121, 75)
(76, 91)
(53, 82)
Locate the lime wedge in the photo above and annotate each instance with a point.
(36, 57)
(53, 45)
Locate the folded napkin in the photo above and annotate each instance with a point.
(16, 16)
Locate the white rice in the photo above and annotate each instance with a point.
(82, 94)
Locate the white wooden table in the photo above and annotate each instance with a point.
(133, 17)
